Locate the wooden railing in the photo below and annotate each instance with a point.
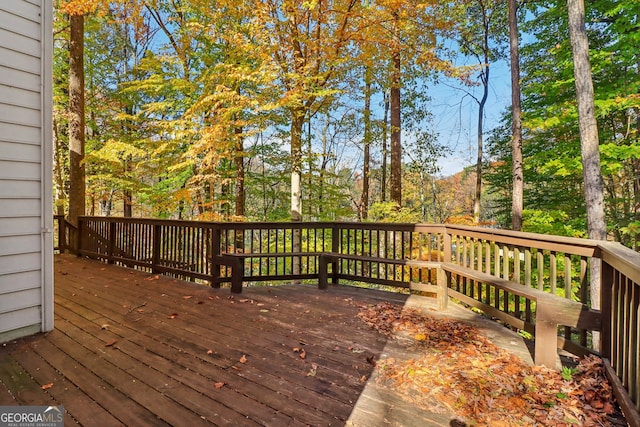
(65, 235)
(556, 265)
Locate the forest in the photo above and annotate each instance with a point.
(277, 110)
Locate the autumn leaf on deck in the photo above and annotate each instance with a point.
(243, 359)
(110, 343)
(313, 371)
(460, 369)
(219, 385)
(187, 297)
(173, 315)
(47, 386)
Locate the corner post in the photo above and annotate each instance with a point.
(443, 280)
(607, 278)
(446, 243)
(546, 335)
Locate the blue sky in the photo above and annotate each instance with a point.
(455, 117)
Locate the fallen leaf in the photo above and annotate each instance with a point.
(303, 354)
(313, 371)
(187, 297)
(420, 337)
(220, 385)
(47, 386)
(105, 326)
(209, 351)
(110, 343)
(173, 315)
(243, 359)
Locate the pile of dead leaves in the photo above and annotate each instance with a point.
(458, 370)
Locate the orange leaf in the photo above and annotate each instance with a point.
(173, 315)
(243, 359)
(110, 343)
(47, 386)
(220, 385)
(187, 296)
(303, 354)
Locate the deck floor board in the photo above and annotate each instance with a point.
(133, 348)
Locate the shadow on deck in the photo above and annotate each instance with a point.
(131, 348)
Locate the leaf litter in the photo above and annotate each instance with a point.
(458, 370)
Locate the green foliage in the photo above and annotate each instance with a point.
(389, 212)
(553, 222)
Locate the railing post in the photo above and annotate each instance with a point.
(335, 247)
(215, 253)
(606, 288)
(79, 235)
(546, 338)
(62, 234)
(446, 242)
(155, 244)
(443, 280)
(112, 242)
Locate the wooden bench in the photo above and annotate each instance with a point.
(236, 262)
(551, 310)
(331, 258)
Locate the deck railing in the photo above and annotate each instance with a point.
(557, 265)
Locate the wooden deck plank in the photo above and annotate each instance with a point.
(251, 349)
(139, 349)
(223, 358)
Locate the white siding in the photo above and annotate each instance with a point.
(26, 285)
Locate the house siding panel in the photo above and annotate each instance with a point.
(26, 248)
(18, 225)
(19, 189)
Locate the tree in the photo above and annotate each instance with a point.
(77, 186)
(480, 37)
(516, 120)
(589, 142)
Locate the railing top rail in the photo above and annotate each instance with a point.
(623, 259)
(575, 245)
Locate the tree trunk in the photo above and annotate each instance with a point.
(385, 121)
(297, 122)
(517, 201)
(591, 172)
(395, 179)
(366, 172)
(239, 160)
(58, 180)
(77, 189)
(485, 93)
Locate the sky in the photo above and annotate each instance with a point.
(456, 117)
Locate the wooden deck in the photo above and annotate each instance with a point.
(136, 349)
